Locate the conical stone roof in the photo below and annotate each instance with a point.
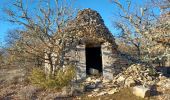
(90, 27)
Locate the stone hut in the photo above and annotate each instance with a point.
(96, 49)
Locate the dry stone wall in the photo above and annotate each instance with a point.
(89, 30)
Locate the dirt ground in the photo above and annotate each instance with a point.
(12, 87)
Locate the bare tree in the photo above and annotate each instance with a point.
(137, 25)
(41, 29)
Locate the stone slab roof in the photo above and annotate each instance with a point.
(90, 27)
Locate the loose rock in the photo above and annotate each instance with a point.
(112, 91)
(130, 82)
(141, 91)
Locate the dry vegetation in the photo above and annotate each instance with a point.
(22, 76)
(61, 78)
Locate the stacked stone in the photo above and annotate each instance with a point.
(139, 74)
(89, 26)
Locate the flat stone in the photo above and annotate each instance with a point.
(100, 86)
(88, 79)
(91, 86)
(94, 71)
(130, 82)
(97, 81)
(102, 93)
(96, 90)
(121, 78)
(162, 77)
(106, 80)
(112, 91)
(141, 91)
(149, 78)
(90, 95)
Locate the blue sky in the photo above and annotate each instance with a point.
(104, 7)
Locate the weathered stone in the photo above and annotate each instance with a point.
(81, 64)
(130, 82)
(106, 81)
(65, 91)
(77, 89)
(97, 81)
(94, 71)
(149, 78)
(161, 77)
(138, 73)
(112, 91)
(90, 95)
(100, 86)
(102, 93)
(141, 91)
(88, 79)
(108, 60)
(121, 78)
(91, 86)
(96, 90)
(164, 83)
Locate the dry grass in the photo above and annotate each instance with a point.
(124, 94)
(12, 88)
(28, 93)
(11, 81)
(12, 75)
(61, 79)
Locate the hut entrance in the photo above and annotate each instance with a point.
(93, 61)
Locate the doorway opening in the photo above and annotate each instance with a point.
(93, 61)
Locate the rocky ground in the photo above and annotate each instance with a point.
(137, 76)
(13, 86)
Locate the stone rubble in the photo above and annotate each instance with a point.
(141, 91)
(163, 87)
(134, 76)
(138, 74)
(99, 86)
(164, 83)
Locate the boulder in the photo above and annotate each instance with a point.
(141, 91)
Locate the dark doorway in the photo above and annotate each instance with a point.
(93, 61)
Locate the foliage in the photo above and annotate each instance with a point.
(62, 77)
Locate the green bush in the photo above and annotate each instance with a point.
(61, 78)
